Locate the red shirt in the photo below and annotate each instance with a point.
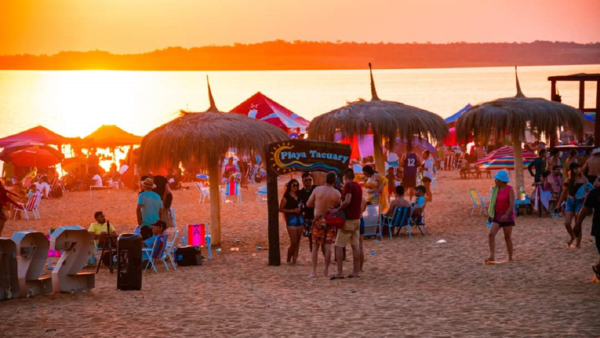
(352, 211)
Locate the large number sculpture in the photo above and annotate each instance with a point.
(76, 244)
(32, 248)
(9, 282)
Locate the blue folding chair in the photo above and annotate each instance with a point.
(401, 217)
(156, 252)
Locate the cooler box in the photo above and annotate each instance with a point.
(188, 255)
(129, 262)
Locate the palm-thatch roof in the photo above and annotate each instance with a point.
(388, 119)
(206, 137)
(513, 114)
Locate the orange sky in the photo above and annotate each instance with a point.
(133, 26)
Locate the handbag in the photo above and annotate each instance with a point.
(294, 220)
(335, 219)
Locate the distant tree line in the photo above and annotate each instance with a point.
(305, 55)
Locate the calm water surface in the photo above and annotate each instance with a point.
(75, 103)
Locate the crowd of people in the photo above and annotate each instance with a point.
(309, 209)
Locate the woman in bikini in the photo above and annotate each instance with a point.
(290, 207)
(574, 192)
(376, 192)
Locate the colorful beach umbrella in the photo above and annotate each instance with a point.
(504, 158)
(34, 157)
(261, 107)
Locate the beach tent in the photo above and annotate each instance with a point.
(36, 134)
(451, 121)
(110, 136)
(13, 147)
(260, 107)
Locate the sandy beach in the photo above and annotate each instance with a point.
(410, 287)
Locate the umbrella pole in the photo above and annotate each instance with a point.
(215, 202)
(377, 149)
(518, 164)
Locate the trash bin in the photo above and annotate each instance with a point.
(129, 262)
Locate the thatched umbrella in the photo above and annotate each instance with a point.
(510, 117)
(204, 138)
(386, 119)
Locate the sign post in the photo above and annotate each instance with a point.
(297, 155)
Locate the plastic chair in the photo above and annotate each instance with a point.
(478, 201)
(32, 205)
(170, 248)
(204, 193)
(371, 220)
(261, 193)
(156, 252)
(401, 217)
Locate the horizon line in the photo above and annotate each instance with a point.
(338, 42)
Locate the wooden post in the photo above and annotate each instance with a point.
(215, 202)
(597, 126)
(552, 90)
(518, 163)
(273, 207)
(379, 163)
(582, 96)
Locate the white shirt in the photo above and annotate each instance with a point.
(392, 157)
(97, 181)
(428, 164)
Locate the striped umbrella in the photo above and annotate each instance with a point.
(504, 158)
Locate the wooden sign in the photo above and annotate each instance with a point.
(301, 155)
(297, 155)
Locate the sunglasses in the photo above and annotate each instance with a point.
(295, 185)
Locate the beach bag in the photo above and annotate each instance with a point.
(335, 220)
(294, 220)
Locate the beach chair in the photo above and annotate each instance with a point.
(170, 249)
(371, 219)
(419, 224)
(261, 193)
(478, 201)
(232, 189)
(401, 217)
(199, 235)
(32, 205)
(204, 193)
(157, 251)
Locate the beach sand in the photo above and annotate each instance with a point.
(410, 287)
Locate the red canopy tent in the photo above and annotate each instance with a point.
(260, 107)
(37, 134)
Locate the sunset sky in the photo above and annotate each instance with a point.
(133, 26)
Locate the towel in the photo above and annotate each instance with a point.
(583, 191)
(492, 208)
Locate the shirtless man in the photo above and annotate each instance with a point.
(400, 201)
(591, 168)
(322, 199)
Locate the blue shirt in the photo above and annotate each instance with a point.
(420, 202)
(149, 242)
(151, 205)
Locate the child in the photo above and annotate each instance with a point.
(391, 181)
(419, 205)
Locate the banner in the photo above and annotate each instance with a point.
(302, 155)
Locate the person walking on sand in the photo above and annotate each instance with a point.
(290, 206)
(4, 202)
(322, 199)
(575, 189)
(427, 169)
(351, 205)
(539, 163)
(502, 214)
(591, 204)
(309, 213)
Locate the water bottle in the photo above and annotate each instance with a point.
(522, 193)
